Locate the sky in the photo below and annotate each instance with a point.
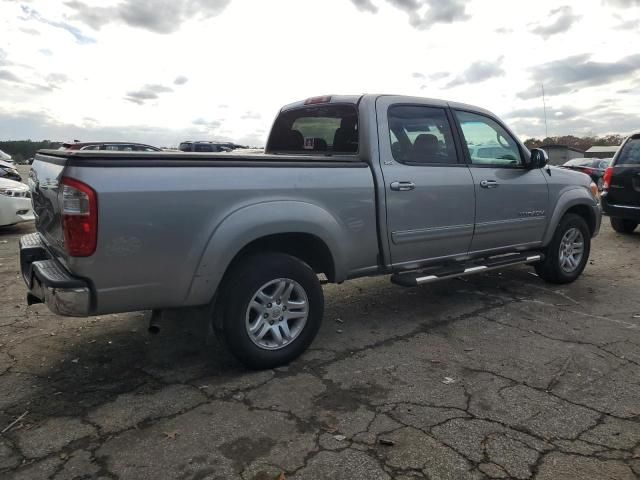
(165, 71)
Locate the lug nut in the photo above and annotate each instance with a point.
(278, 302)
(270, 322)
(268, 305)
(266, 315)
(284, 308)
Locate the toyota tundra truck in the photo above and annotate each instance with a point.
(348, 186)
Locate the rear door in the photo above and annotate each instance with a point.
(429, 190)
(624, 188)
(511, 201)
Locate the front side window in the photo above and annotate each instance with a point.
(421, 135)
(487, 142)
(630, 154)
(326, 128)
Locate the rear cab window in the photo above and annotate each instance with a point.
(326, 129)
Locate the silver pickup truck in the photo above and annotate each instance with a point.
(349, 186)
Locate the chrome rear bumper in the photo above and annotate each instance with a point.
(50, 283)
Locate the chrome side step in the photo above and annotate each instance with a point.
(414, 278)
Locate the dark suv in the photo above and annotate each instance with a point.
(203, 147)
(621, 195)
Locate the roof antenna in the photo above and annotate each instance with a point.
(544, 105)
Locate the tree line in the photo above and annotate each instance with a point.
(22, 150)
(581, 143)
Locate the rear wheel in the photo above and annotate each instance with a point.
(272, 308)
(567, 254)
(623, 226)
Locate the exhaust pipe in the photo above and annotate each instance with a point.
(154, 322)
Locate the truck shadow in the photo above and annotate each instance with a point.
(76, 365)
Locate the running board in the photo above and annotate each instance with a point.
(414, 278)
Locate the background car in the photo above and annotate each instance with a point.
(15, 203)
(621, 196)
(110, 146)
(211, 147)
(8, 170)
(594, 167)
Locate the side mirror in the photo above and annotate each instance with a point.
(538, 159)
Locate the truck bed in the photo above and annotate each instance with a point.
(169, 223)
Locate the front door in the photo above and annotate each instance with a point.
(511, 200)
(429, 190)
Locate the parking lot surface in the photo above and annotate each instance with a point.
(493, 376)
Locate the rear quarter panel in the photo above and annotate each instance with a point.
(167, 234)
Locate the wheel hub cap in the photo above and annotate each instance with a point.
(277, 314)
(571, 250)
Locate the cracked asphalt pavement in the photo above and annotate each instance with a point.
(493, 376)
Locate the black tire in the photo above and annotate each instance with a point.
(238, 291)
(622, 225)
(550, 269)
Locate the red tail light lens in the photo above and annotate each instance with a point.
(79, 218)
(608, 173)
(587, 170)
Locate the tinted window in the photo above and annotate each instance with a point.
(630, 154)
(185, 147)
(204, 147)
(487, 142)
(326, 128)
(421, 135)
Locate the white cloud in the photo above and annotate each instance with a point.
(144, 72)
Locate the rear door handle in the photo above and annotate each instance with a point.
(402, 186)
(489, 184)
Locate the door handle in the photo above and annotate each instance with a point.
(402, 186)
(489, 184)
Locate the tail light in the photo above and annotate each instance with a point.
(587, 170)
(608, 173)
(79, 218)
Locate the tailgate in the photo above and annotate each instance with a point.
(625, 179)
(44, 183)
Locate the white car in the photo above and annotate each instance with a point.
(15, 203)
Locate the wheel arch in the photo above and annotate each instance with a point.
(577, 201)
(303, 230)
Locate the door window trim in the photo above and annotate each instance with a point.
(460, 159)
(465, 151)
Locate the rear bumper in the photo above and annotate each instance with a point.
(49, 283)
(630, 212)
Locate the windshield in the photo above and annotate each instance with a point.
(323, 128)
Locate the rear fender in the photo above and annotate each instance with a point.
(256, 221)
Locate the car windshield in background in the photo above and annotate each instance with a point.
(604, 163)
(630, 154)
(326, 128)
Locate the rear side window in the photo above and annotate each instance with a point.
(421, 135)
(630, 153)
(325, 128)
(185, 147)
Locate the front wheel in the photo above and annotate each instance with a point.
(272, 309)
(621, 225)
(567, 254)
